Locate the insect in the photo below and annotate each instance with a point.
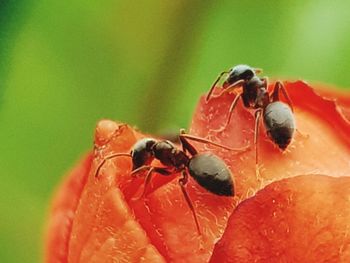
(278, 117)
(207, 169)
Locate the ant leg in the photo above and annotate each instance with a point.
(109, 157)
(232, 107)
(140, 169)
(184, 137)
(147, 181)
(186, 146)
(230, 88)
(275, 94)
(182, 182)
(214, 84)
(279, 86)
(148, 177)
(256, 134)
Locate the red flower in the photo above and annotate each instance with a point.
(98, 220)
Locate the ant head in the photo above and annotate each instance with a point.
(239, 72)
(142, 153)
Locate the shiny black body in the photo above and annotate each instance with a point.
(206, 168)
(279, 123)
(239, 72)
(212, 173)
(142, 153)
(278, 117)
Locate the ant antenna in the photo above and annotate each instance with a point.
(150, 170)
(148, 177)
(230, 88)
(109, 157)
(214, 84)
(202, 140)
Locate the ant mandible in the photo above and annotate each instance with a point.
(277, 116)
(207, 169)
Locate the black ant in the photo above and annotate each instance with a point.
(277, 116)
(207, 169)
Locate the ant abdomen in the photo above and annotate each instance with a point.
(280, 124)
(212, 173)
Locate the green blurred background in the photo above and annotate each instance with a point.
(65, 65)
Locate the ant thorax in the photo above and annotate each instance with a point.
(169, 155)
(262, 98)
(255, 94)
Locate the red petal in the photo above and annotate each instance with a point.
(300, 219)
(104, 226)
(325, 151)
(163, 222)
(63, 210)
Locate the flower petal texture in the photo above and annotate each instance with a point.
(102, 219)
(300, 219)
